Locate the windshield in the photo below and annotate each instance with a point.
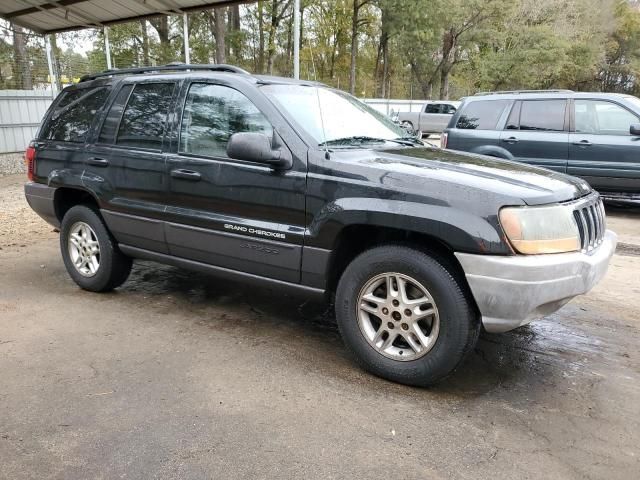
(634, 100)
(330, 115)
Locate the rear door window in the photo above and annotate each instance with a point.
(481, 114)
(145, 117)
(73, 115)
(111, 122)
(543, 115)
(603, 118)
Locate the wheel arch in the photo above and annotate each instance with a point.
(493, 151)
(355, 239)
(67, 197)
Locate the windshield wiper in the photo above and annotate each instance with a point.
(409, 140)
(360, 139)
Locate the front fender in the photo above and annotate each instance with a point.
(461, 230)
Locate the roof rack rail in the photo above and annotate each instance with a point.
(516, 92)
(171, 67)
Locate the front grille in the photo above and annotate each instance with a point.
(591, 222)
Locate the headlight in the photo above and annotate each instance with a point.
(535, 230)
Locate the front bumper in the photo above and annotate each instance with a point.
(514, 290)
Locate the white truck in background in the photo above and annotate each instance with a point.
(433, 117)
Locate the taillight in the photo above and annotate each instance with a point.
(30, 160)
(443, 139)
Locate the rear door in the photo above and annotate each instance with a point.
(128, 155)
(536, 132)
(231, 213)
(601, 149)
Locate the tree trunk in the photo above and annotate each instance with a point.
(260, 68)
(56, 61)
(22, 68)
(354, 46)
(161, 25)
(385, 65)
(273, 26)
(448, 47)
(145, 43)
(219, 14)
(383, 54)
(444, 84)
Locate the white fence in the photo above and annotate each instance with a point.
(22, 110)
(20, 115)
(391, 106)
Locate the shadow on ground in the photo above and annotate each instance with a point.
(537, 353)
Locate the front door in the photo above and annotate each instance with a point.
(601, 149)
(129, 147)
(230, 213)
(536, 133)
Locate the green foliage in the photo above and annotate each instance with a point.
(405, 48)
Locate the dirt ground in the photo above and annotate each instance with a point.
(177, 375)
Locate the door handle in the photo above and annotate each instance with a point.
(186, 174)
(510, 140)
(98, 162)
(583, 143)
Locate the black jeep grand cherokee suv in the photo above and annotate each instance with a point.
(302, 187)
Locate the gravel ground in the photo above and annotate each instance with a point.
(11, 163)
(176, 375)
(19, 225)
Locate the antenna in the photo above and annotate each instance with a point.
(315, 79)
(324, 134)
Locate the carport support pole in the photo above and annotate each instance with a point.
(107, 47)
(185, 27)
(52, 74)
(296, 39)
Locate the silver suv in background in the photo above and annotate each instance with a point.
(595, 136)
(433, 117)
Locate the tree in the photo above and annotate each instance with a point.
(356, 23)
(621, 66)
(399, 48)
(279, 11)
(22, 67)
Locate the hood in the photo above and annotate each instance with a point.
(531, 185)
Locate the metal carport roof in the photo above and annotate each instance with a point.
(46, 16)
(49, 17)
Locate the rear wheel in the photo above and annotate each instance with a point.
(90, 254)
(404, 316)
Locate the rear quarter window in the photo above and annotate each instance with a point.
(73, 114)
(481, 114)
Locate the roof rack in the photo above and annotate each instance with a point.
(516, 92)
(171, 67)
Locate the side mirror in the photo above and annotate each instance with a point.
(634, 129)
(257, 147)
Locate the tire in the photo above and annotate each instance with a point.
(449, 333)
(408, 125)
(81, 230)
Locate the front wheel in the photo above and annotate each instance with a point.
(404, 316)
(90, 254)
